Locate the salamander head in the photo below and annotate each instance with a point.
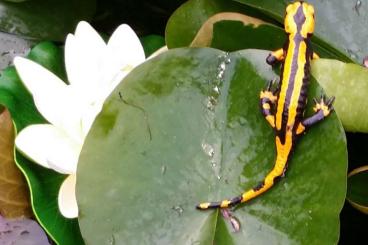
(299, 18)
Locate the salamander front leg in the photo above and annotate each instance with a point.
(322, 109)
(275, 56)
(267, 100)
(315, 56)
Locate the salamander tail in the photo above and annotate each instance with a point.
(223, 204)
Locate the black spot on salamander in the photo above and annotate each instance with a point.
(259, 186)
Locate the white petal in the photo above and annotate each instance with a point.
(43, 85)
(49, 147)
(125, 52)
(67, 200)
(72, 108)
(84, 55)
(59, 103)
(89, 115)
(36, 78)
(52, 97)
(125, 47)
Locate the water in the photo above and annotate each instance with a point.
(214, 89)
(224, 60)
(216, 83)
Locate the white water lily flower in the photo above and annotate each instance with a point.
(94, 68)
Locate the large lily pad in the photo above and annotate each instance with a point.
(341, 23)
(185, 127)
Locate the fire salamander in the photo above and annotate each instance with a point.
(283, 107)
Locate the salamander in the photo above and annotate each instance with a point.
(283, 107)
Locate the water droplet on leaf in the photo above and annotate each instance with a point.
(216, 90)
(242, 120)
(111, 240)
(211, 103)
(357, 6)
(178, 209)
(163, 169)
(208, 149)
(232, 124)
(243, 157)
(220, 74)
(222, 66)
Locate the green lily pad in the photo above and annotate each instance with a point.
(43, 183)
(44, 19)
(340, 23)
(185, 127)
(233, 31)
(349, 84)
(357, 193)
(188, 19)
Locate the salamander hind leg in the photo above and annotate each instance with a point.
(324, 105)
(322, 109)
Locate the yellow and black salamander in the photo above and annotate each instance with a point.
(284, 106)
